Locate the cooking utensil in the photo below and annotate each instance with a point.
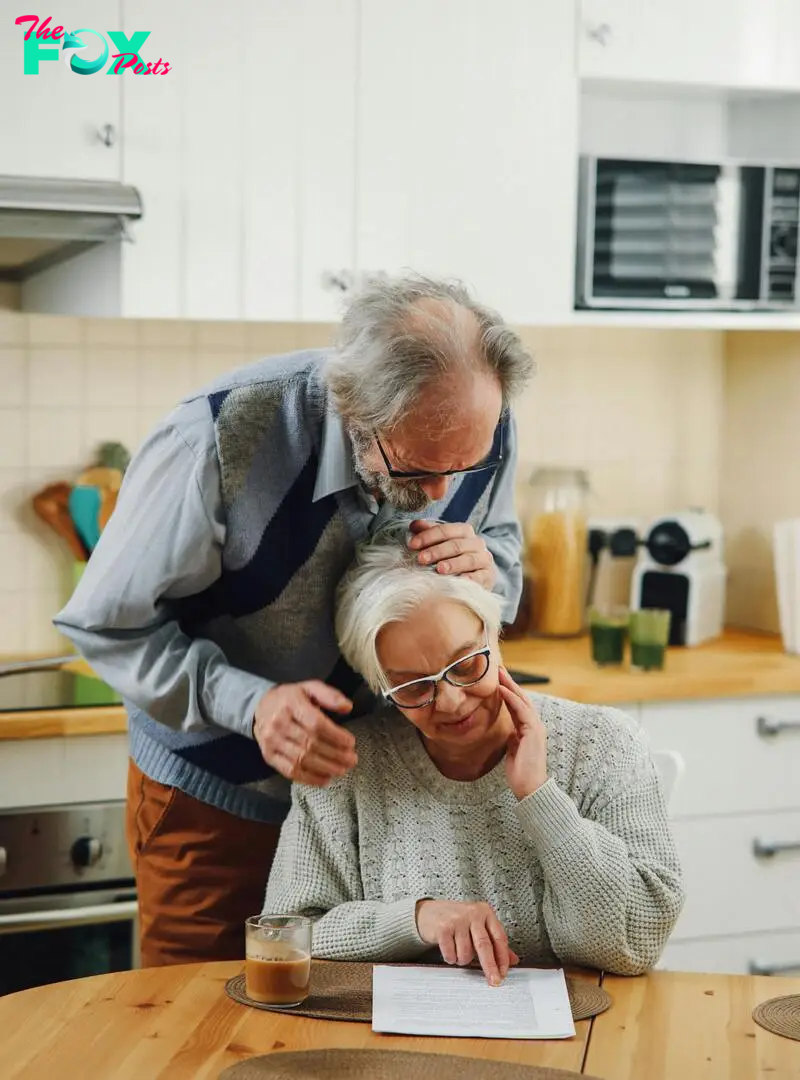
(107, 506)
(84, 506)
(51, 504)
(47, 663)
(102, 477)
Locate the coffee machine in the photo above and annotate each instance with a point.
(680, 567)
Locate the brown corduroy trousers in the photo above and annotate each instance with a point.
(200, 872)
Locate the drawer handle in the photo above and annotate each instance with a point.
(767, 728)
(754, 968)
(767, 849)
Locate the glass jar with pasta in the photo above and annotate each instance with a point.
(556, 553)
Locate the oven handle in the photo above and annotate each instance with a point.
(92, 914)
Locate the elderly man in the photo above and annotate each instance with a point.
(208, 603)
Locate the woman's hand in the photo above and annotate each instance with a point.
(465, 931)
(526, 752)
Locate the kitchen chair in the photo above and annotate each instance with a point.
(671, 767)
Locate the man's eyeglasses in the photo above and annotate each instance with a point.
(492, 460)
(418, 693)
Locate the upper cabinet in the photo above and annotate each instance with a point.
(53, 121)
(244, 155)
(752, 44)
(467, 135)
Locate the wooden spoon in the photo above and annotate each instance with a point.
(107, 506)
(51, 504)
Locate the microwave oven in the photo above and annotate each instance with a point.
(679, 234)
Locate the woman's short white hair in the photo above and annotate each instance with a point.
(386, 584)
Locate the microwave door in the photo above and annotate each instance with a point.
(726, 234)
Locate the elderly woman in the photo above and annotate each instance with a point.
(489, 824)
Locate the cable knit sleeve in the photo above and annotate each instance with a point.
(613, 887)
(316, 873)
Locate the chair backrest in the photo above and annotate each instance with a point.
(671, 767)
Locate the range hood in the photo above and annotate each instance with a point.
(44, 222)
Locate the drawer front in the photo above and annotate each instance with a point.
(747, 954)
(734, 765)
(742, 874)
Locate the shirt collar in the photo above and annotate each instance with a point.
(336, 470)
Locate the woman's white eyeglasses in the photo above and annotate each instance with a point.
(466, 671)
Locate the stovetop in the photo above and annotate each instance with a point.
(32, 690)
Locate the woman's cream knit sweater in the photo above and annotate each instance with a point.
(583, 871)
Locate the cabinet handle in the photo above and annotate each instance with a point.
(343, 281)
(755, 968)
(766, 728)
(601, 33)
(107, 135)
(766, 849)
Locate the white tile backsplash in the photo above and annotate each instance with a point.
(13, 438)
(55, 330)
(111, 378)
(13, 329)
(55, 439)
(13, 382)
(56, 378)
(165, 376)
(13, 549)
(12, 622)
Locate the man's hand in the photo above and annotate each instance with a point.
(466, 931)
(454, 549)
(298, 739)
(526, 752)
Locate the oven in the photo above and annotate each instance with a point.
(67, 894)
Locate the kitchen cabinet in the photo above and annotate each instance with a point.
(244, 155)
(51, 122)
(736, 822)
(467, 136)
(714, 43)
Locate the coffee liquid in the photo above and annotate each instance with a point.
(278, 976)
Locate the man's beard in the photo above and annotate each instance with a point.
(406, 495)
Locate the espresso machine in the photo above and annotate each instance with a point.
(680, 567)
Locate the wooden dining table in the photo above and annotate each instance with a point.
(177, 1023)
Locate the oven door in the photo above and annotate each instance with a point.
(69, 935)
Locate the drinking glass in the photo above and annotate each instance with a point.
(608, 627)
(649, 634)
(278, 959)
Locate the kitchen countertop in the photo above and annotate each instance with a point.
(739, 664)
(176, 1021)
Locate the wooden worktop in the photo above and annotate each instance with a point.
(739, 664)
(177, 1022)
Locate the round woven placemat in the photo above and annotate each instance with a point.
(780, 1015)
(343, 991)
(383, 1065)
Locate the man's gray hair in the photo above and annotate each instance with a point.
(386, 584)
(398, 335)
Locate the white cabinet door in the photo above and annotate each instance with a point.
(732, 43)
(742, 874)
(733, 764)
(50, 120)
(757, 954)
(244, 156)
(153, 110)
(467, 129)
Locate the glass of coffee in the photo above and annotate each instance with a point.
(277, 963)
